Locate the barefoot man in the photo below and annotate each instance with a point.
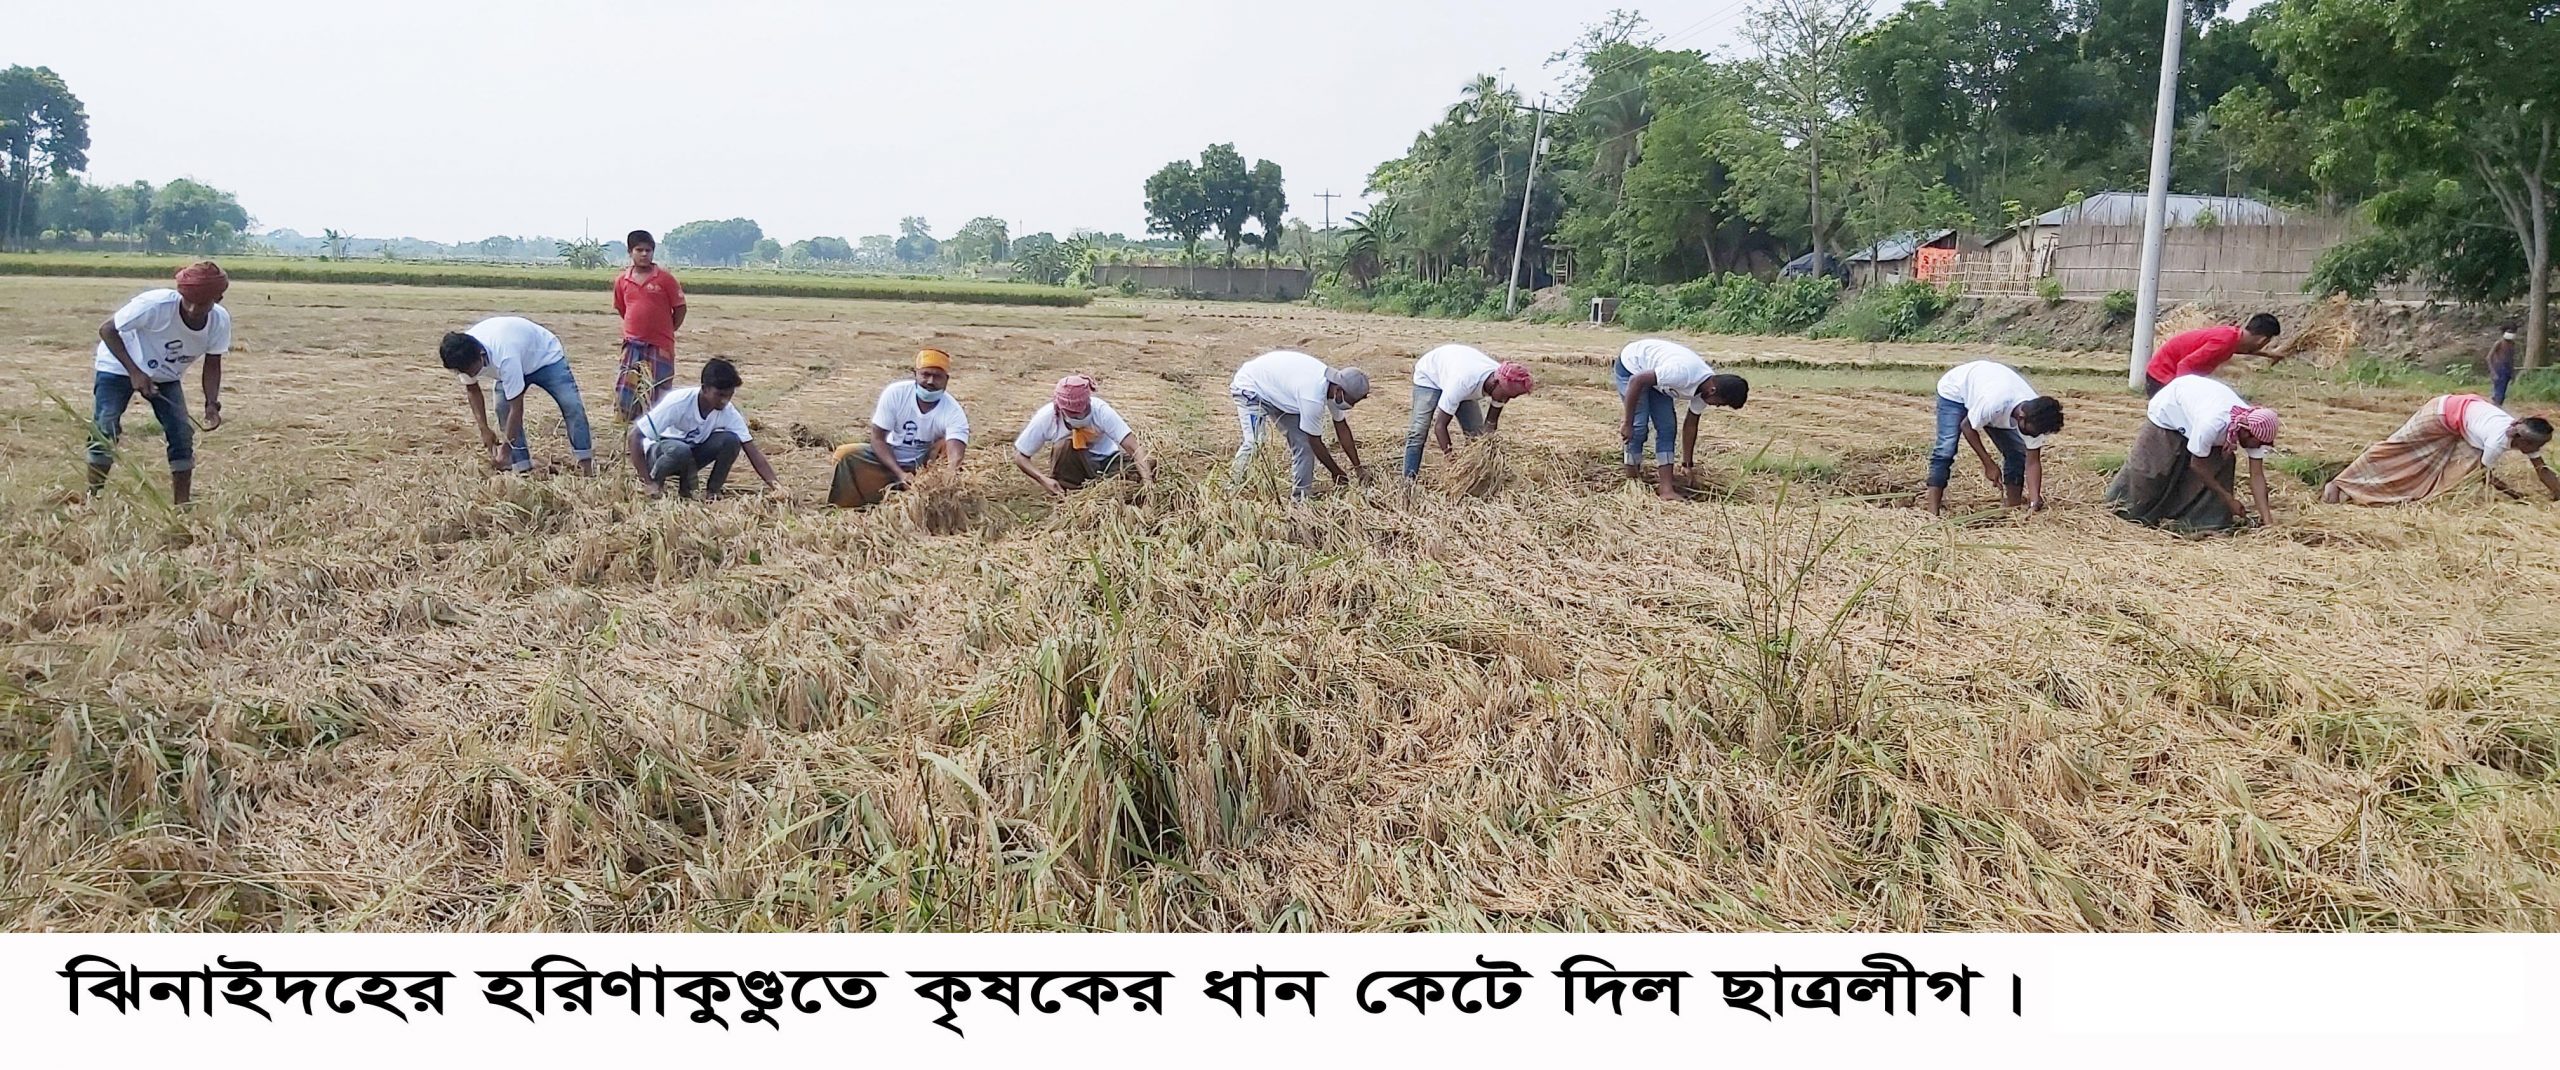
(145, 349)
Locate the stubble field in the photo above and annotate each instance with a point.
(365, 684)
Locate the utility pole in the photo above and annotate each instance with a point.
(1520, 234)
(2155, 217)
(1327, 197)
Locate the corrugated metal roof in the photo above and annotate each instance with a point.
(2128, 209)
(1899, 247)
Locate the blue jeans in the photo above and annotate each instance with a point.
(555, 380)
(1425, 402)
(1942, 457)
(113, 392)
(1656, 409)
(2498, 380)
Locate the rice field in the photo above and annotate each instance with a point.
(365, 685)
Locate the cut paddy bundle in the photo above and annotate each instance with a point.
(942, 500)
(1480, 469)
(2327, 334)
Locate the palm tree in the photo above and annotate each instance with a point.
(1368, 243)
(336, 243)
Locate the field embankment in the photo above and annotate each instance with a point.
(713, 281)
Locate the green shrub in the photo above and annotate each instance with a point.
(2119, 305)
(1884, 313)
(2050, 290)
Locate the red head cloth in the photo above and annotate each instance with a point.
(1074, 396)
(1513, 374)
(202, 282)
(2259, 421)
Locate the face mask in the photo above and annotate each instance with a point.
(923, 394)
(1078, 422)
(1340, 411)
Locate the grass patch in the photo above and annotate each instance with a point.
(2105, 464)
(1792, 466)
(697, 280)
(2312, 471)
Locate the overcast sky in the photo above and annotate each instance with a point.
(460, 119)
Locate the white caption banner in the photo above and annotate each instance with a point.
(2089, 1000)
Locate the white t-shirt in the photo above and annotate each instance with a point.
(161, 343)
(1677, 369)
(1460, 373)
(2200, 408)
(2485, 426)
(1291, 382)
(1990, 393)
(680, 417)
(1045, 428)
(517, 347)
(912, 431)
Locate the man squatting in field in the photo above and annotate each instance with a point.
(145, 349)
(1990, 398)
(1092, 440)
(515, 353)
(2449, 438)
(2206, 424)
(1461, 382)
(1298, 394)
(697, 428)
(651, 304)
(1655, 376)
(916, 423)
(2200, 351)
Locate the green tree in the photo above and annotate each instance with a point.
(713, 241)
(875, 251)
(1270, 207)
(335, 241)
(916, 243)
(1227, 185)
(586, 253)
(1177, 208)
(2457, 96)
(498, 247)
(769, 251)
(822, 250)
(1802, 74)
(43, 130)
(191, 216)
(983, 240)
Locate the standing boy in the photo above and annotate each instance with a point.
(652, 306)
(2502, 365)
(695, 429)
(145, 349)
(514, 353)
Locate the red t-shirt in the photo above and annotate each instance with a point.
(2196, 352)
(648, 306)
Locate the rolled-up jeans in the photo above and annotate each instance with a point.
(554, 379)
(678, 458)
(1655, 409)
(1426, 400)
(1252, 410)
(1942, 455)
(112, 393)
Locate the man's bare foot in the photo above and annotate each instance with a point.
(587, 467)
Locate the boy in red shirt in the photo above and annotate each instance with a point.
(652, 306)
(2200, 351)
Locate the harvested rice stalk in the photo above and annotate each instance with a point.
(942, 501)
(2180, 320)
(805, 435)
(1480, 469)
(2327, 335)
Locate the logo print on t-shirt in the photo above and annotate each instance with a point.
(912, 433)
